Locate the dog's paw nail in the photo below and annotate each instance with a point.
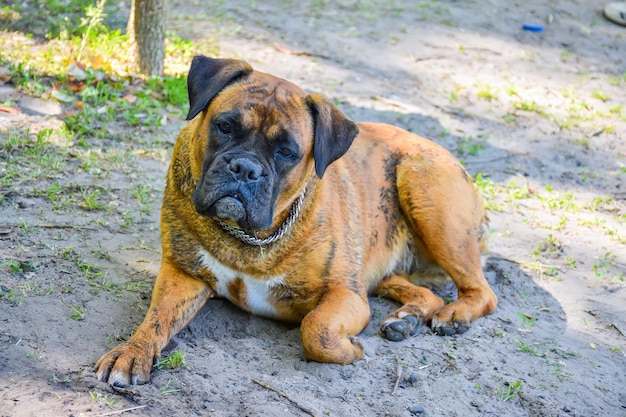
(451, 328)
(400, 329)
(401, 326)
(119, 384)
(412, 321)
(393, 335)
(445, 331)
(448, 331)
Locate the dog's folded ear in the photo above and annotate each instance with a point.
(208, 76)
(334, 132)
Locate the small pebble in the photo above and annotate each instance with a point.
(416, 410)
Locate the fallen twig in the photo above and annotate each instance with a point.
(486, 161)
(398, 378)
(285, 50)
(612, 326)
(122, 411)
(449, 363)
(55, 226)
(426, 58)
(11, 110)
(433, 353)
(285, 396)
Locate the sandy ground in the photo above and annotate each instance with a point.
(538, 114)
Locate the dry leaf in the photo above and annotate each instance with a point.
(76, 72)
(11, 110)
(62, 97)
(130, 98)
(98, 62)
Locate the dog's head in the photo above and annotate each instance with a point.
(260, 139)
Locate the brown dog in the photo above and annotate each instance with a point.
(279, 203)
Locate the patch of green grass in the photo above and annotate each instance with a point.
(91, 200)
(127, 218)
(558, 370)
(595, 221)
(602, 270)
(51, 18)
(103, 398)
(549, 246)
(510, 390)
(527, 322)
(7, 295)
(600, 202)
(97, 278)
(542, 270)
(171, 89)
(487, 92)
(488, 190)
(84, 63)
(56, 380)
(27, 158)
(77, 313)
(25, 289)
(469, 146)
(570, 262)
(175, 360)
(135, 286)
(510, 119)
(556, 201)
(529, 106)
(517, 192)
(560, 225)
(525, 347)
(18, 267)
(597, 94)
(144, 196)
(67, 253)
(166, 390)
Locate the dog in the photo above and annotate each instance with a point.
(276, 201)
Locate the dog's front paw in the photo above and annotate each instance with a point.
(128, 363)
(401, 327)
(454, 318)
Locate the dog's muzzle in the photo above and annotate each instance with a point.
(236, 190)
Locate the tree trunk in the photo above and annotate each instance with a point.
(146, 27)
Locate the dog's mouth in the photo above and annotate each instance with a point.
(230, 208)
(250, 214)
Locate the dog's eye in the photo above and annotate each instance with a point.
(286, 153)
(224, 128)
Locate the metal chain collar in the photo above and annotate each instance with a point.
(282, 230)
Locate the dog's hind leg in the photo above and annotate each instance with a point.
(448, 217)
(419, 305)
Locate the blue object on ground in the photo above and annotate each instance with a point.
(532, 28)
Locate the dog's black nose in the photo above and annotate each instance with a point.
(245, 170)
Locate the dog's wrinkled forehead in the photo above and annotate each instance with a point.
(265, 103)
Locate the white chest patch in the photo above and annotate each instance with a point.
(257, 291)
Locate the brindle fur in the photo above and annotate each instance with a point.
(382, 207)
